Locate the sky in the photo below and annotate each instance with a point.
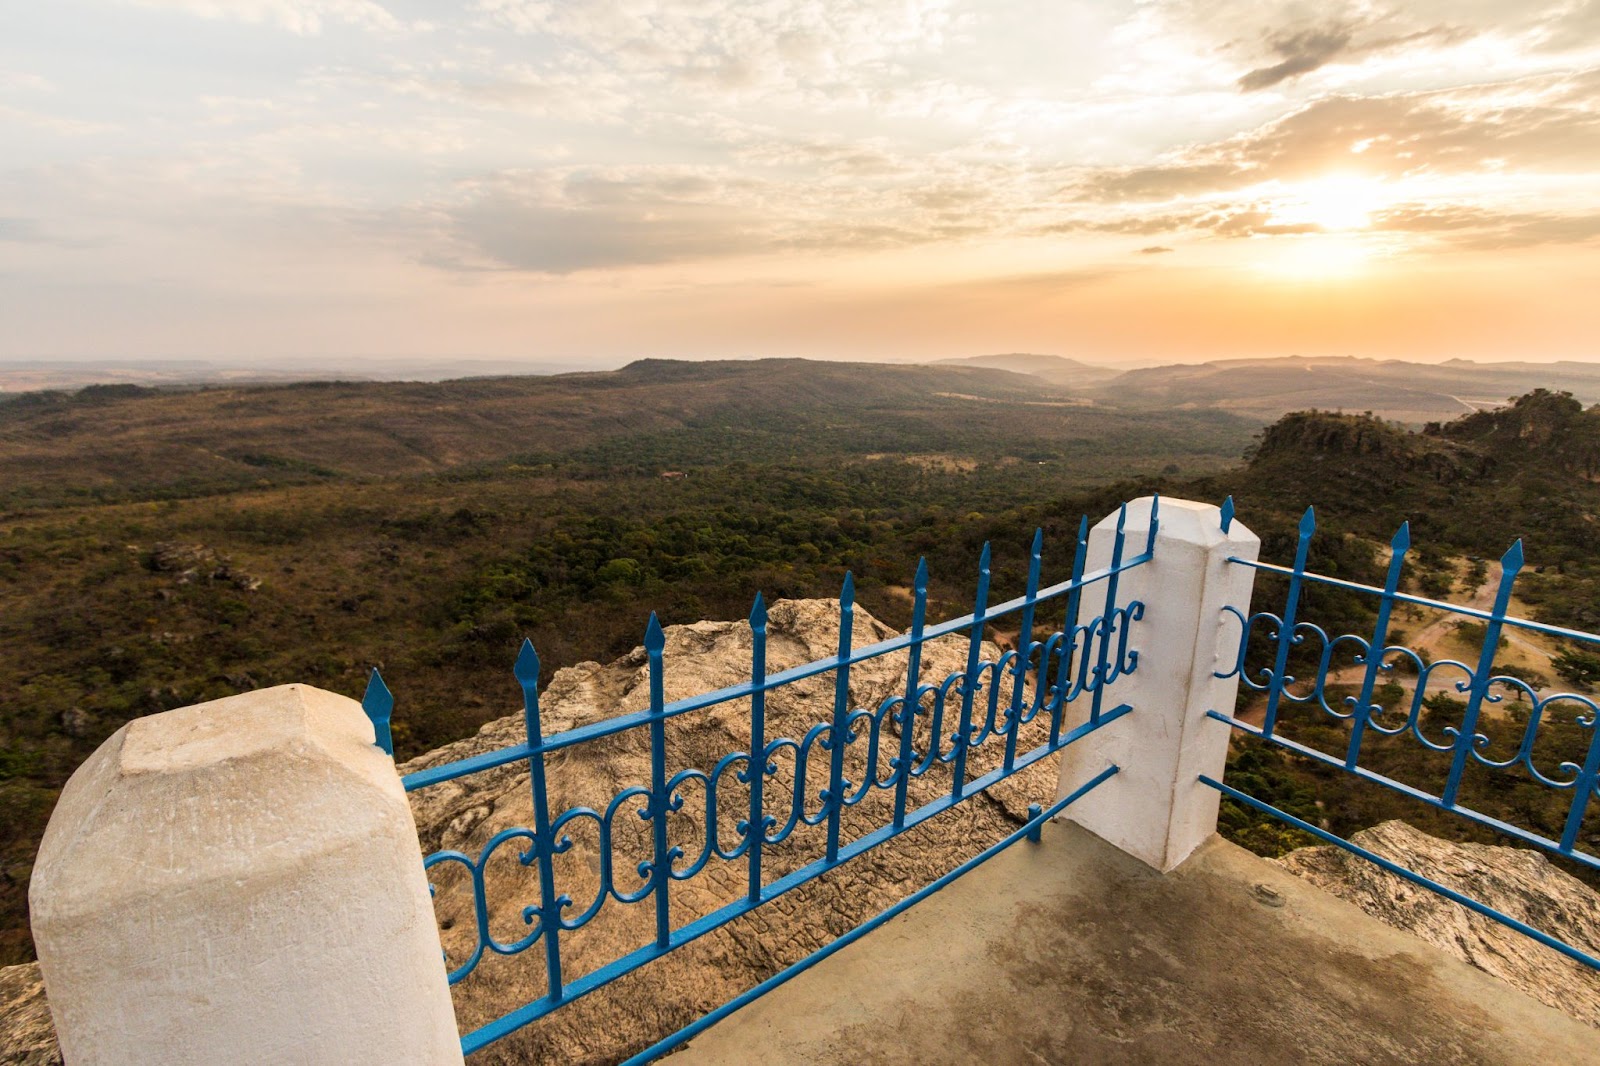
(587, 182)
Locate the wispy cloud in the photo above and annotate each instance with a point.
(529, 151)
(1302, 50)
(304, 17)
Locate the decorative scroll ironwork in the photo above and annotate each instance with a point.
(985, 702)
(1478, 683)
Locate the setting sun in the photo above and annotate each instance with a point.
(1335, 204)
(581, 185)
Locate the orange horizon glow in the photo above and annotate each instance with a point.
(825, 178)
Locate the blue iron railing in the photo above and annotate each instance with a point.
(990, 701)
(1566, 763)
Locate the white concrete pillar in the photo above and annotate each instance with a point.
(240, 882)
(1154, 808)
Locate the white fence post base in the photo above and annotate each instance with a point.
(239, 882)
(1154, 808)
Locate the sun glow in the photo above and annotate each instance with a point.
(1316, 257)
(1335, 204)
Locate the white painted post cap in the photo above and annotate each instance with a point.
(240, 881)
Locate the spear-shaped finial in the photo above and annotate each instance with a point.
(378, 702)
(527, 665)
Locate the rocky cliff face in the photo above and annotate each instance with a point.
(1515, 881)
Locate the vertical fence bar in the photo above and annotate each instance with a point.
(757, 826)
(1155, 526)
(1280, 666)
(527, 674)
(1227, 513)
(1510, 566)
(913, 699)
(1583, 789)
(1069, 633)
(1035, 831)
(1102, 670)
(841, 713)
(1024, 651)
(660, 866)
(969, 683)
(1380, 640)
(378, 702)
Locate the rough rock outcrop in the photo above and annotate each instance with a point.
(26, 1036)
(627, 1016)
(196, 562)
(1515, 881)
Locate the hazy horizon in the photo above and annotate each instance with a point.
(267, 183)
(26, 375)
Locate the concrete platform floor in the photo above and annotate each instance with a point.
(1069, 951)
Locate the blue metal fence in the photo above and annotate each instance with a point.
(990, 703)
(1461, 747)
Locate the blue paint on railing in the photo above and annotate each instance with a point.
(1029, 831)
(1462, 743)
(1380, 638)
(1082, 659)
(757, 767)
(1395, 868)
(378, 702)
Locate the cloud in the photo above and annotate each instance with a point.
(1301, 51)
(562, 222)
(24, 81)
(1546, 124)
(1483, 229)
(811, 52)
(20, 230)
(1155, 249)
(1252, 223)
(304, 17)
(576, 95)
(51, 123)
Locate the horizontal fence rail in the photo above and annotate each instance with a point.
(985, 705)
(1275, 646)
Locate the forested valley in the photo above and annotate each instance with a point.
(163, 547)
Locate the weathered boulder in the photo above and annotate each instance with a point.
(1515, 881)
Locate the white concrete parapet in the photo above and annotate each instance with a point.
(1155, 809)
(240, 882)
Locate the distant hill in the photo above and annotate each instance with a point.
(1401, 391)
(1056, 369)
(118, 442)
(1530, 469)
(31, 375)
